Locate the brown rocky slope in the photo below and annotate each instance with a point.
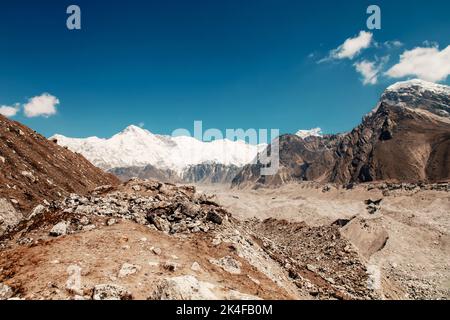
(34, 170)
(405, 139)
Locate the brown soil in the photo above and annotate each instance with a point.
(34, 169)
(41, 271)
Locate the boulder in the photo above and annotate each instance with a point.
(171, 266)
(84, 221)
(161, 224)
(236, 295)
(36, 211)
(367, 235)
(156, 251)
(89, 227)
(111, 222)
(190, 288)
(111, 292)
(5, 292)
(183, 288)
(59, 229)
(196, 267)
(190, 209)
(214, 217)
(228, 264)
(29, 175)
(128, 269)
(9, 217)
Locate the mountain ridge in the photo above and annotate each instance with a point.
(406, 138)
(36, 171)
(306, 155)
(137, 147)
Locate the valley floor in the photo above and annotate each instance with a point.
(413, 227)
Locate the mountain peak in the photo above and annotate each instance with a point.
(133, 129)
(418, 94)
(419, 85)
(137, 147)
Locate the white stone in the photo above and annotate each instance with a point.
(59, 229)
(5, 292)
(228, 264)
(36, 211)
(196, 267)
(9, 217)
(111, 292)
(128, 269)
(111, 222)
(89, 227)
(156, 251)
(184, 288)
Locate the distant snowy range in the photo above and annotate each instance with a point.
(137, 152)
(421, 106)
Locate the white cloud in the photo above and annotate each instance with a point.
(43, 105)
(352, 46)
(428, 43)
(428, 64)
(370, 70)
(393, 44)
(9, 111)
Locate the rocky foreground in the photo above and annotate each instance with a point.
(151, 240)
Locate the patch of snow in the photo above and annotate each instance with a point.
(420, 86)
(316, 132)
(399, 93)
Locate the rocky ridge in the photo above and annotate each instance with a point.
(35, 171)
(162, 206)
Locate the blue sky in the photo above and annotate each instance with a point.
(231, 64)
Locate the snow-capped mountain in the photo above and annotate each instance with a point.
(137, 147)
(416, 94)
(419, 94)
(316, 132)
(419, 86)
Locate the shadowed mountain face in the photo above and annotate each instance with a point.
(207, 173)
(210, 173)
(300, 160)
(147, 172)
(34, 169)
(406, 139)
